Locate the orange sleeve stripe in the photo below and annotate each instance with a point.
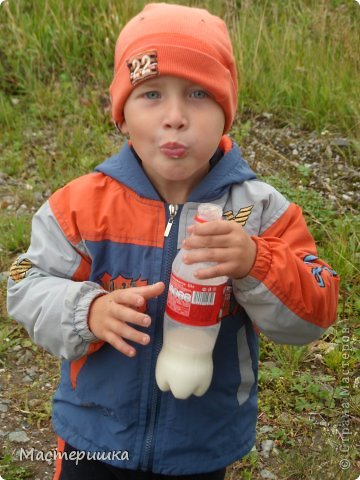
(88, 207)
(281, 268)
(291, 228)
(84, 269)
(77, 365)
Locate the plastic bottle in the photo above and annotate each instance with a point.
(191, 323)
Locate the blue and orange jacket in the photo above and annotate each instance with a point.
(105, 230)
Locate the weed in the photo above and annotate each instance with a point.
(317, 463)
(315, 393)
(10, 471)
(14, 237)
(242, 131)
(333, 360)
(11, 334)
(289, 356)
(5, 332)
(244, 469)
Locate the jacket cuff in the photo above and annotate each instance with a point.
(260, 268)
(81, 314)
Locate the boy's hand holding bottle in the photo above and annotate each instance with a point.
(225, 243)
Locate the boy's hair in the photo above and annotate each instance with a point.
(186, 42)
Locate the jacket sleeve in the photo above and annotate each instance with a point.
(290, 294)
(48, 291)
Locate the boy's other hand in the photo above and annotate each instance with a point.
(225, 243)
(110, 316)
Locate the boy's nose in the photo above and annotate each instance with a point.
(175, 115)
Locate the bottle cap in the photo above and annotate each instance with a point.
(207, 212)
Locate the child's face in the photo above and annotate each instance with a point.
(175, 127)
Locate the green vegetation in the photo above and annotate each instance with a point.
(298, 60)
(12, 472)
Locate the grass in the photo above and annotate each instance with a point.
(298, 60)
(12, 472)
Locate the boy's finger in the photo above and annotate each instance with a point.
(124, 313)
(206, 241)
(199, 255)
(216, 227)
(136, 296)
(119, 344)
(129, 333)
(129, 298)
(211, 272)
(151, 291)
(121, 331)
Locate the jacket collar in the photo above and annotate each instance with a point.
(230, 169)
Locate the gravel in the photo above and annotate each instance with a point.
(18, 436)
(320, 161)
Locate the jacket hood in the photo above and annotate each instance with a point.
(230, 169)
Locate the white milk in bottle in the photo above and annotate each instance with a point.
(191, 324)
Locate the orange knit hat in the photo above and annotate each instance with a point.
(187, 42)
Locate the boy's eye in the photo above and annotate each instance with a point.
(199, 94)
(153, 95)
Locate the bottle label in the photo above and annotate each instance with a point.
(195, 304)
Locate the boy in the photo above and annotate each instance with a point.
(91, 288)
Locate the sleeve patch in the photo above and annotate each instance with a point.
(19, 269)
(309, 259)
(318, 270)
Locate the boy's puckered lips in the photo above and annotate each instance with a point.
(173, 149)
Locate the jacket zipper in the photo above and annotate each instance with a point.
(173, 209)
(170, 248)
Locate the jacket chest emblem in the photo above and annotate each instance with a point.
(241, 217)
(110, 284)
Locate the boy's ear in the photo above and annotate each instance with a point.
(123, 127)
